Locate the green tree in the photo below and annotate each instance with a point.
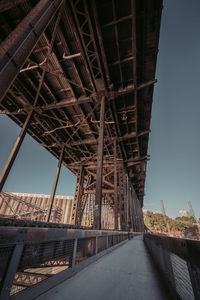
(182, 223)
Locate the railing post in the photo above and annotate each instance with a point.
(96, 245)
(74, 252)
(106, 241)
(11, 271)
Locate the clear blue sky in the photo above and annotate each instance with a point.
(173, 173)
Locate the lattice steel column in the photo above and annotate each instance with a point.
(130, 222)
(98, 194)
(82, 202)
(134, 210)
(122, 202)
(78, 194)
(55, 185)
(115, 187)
(125, 198)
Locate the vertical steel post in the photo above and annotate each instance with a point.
(130, 205)
(98, 194)
(14, 151)
(96, 244)
(55, 185)
(11, 271)
(78, 196)
(127, 203)
(115, 187)
(74, 253)
(125, 200)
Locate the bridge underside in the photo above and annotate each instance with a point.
(78, 76)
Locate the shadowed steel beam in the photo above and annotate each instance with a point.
(51, 200)
(8, 4)
(130, 205)
(98, 194)
(115, 187)
(16, 48)
(66, 103)
(14, 151)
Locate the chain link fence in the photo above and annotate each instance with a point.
(33, 256)
(178, 260)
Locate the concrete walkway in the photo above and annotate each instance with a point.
(126, 273)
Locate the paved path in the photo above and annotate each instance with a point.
(126, 273)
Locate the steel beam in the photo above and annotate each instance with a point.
(108, 139)
(98, 194)
(115, 187)
(8, 4)
(51, 200)
(14, 151)
(66, 103)
(17, 47)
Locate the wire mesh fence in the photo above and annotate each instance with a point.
(179, 263)
(46, 253)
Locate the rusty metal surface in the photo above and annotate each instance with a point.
(103, 48)
(38, 254)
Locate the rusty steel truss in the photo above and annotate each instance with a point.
(78, 76)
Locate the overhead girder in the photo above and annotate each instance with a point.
(15, 50)
(72, 77)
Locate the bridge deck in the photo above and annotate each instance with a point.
(126, 273)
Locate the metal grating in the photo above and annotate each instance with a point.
(44, 252)
(177, 259)
(182, 278)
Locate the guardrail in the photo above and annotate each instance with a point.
(33, 260)
(178, 260)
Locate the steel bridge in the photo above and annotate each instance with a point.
(78, 76)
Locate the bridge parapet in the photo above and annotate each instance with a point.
(178, 261)
(33, 260)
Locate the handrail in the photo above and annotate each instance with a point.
(56, 253)
(178, 261)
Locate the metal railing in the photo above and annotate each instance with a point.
(33, 260)
(178, 260)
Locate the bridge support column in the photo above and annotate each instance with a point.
(134, 211)
(125, 200)
(51, 200)
(78, 196)
(115, 188)
(98, 194)
(122, 199)
(130, 210)
(14, 152)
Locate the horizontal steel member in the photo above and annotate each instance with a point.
(8, 4)
(66, 103)
(104, 191)
(17, 235)
(109, 139)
